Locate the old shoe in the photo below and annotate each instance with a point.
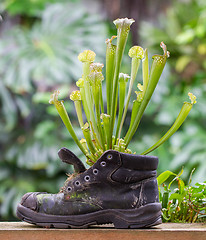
(119, 188)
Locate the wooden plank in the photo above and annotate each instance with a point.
(167, 231)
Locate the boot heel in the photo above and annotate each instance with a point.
(143, 217)
(121, 224)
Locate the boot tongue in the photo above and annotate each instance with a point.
(69, 157)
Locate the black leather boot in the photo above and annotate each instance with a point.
(119, 188)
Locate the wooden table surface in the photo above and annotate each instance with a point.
(166, 231)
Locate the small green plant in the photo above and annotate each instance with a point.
(186, 203)
(99, 130)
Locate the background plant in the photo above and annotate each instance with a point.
(25, 7)
(185, 203)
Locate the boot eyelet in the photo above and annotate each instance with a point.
(87, 178)
(109, 156)
(77, 183)
(103, 164)
(95, 171)
(69, 189)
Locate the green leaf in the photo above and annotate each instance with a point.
(165, 217)
(181, 185)
(164, 176)
(177, 176)
(165, 199)
(177, 196)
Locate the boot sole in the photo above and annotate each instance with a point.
(143, 217)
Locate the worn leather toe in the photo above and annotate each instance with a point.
(29, 201)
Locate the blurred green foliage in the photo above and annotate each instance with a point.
(29, 8)
(184, 32)
(42, 57)
(34, 60)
